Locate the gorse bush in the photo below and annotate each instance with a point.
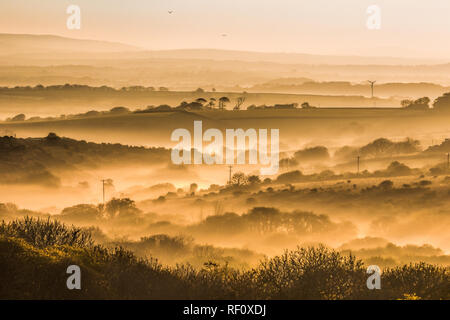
(310, 273)
(34, 256)
(420, 280)
(43, 233)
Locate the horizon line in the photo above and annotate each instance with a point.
(138, 48)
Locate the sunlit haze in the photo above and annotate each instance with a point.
(410, 28)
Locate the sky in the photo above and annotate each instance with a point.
(409, 28)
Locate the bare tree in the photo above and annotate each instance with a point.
(239, 103)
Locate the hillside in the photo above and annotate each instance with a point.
(32, 44)
(27, 44)
(329, 126)
(386, 90)
(64, 99)
(35, 160)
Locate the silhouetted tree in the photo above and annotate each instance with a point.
(121, 207)
(212, 103)
(193, 188)
(406, 103)
(419, 104)
(202, 101)
(239, 102)
(119, 110)
(442, 103)
(239, 179)
(254, 179)
(386, 185)
(52, 136)
(305, 105)
(222, 102)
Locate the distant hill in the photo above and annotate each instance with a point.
(39, 160)
(303, 86)
(32, 44)
(51, 60)
(36, 44)
(285, 57)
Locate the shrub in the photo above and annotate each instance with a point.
(310, 273)
(34, 256)
(386, 185)
(44, 233)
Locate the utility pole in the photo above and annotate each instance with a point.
(448, 161)
(357, 163)
(229, 179)
(371, 85)
(103, 182)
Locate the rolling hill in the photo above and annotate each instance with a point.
(13, 44)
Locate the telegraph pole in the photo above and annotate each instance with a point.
(357, 163)
(103, 182)
(448, 161)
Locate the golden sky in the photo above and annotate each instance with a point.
(409, 28)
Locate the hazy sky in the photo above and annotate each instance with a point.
(416, 28)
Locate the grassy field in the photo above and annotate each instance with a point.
(297, 127)
(55, 102)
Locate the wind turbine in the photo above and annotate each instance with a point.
(372, 84)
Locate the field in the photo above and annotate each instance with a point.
(331, 126)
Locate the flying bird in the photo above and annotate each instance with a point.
(170, 11)
(223, 34)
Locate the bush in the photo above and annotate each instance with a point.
(34, 256)
(310, 273)
(45, 233)
(421, 280)
(386, 185)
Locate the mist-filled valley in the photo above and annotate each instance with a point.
(347, 173)
(392, 211)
